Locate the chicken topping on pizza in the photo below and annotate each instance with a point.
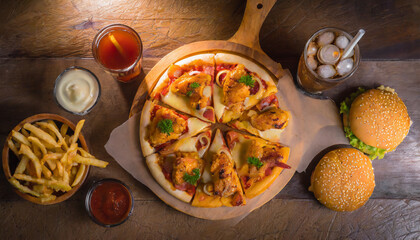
(273, 118)
(165, 126)
(187, 169)
(262, 158)
(195, 87)
(225, 183)
(235, 90)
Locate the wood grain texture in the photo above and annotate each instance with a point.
(65, 28)
(278, 219)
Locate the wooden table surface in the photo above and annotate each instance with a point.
(39, 39)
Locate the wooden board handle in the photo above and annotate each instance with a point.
(255, 13)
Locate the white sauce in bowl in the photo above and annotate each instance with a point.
(77, 90)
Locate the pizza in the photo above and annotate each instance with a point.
(175, 135)
(179, 169)
(266, 120)
(161, 126)
(258, 162)
(187, 86)
(239, 85)
(220, 185)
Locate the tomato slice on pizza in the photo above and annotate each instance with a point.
(258, 162)
(240, 85)
(187, 86)
(161, 126)
(179, 171)
(265, 120)
(220, 184)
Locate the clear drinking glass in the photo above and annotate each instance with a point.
(119, 50)
(308, 80)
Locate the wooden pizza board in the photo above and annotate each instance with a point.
(245, 42)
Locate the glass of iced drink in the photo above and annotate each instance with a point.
(321, 65)
(118, 49)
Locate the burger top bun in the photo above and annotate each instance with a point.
(379, 118)
(343, 180)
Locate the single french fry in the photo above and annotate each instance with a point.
(30, 169)
(22, 188)
(20, 138)
(54, 129)
(84, 153)
(24, 132)
(63, 129)
(22, 165)
(35, 141)
(60, 168)
(67, 138)
(56, 185)
(37, 152)
(63, 159)
(25, 150)
(71, 153)
(56, 173)
(77, 131)
(47, 173)
(79, 175)
(41, 134)
(90, 161)
(13, 147)
(52, 156)
(66, 177)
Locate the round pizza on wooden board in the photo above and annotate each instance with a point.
(237, 93)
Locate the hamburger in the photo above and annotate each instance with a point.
(375, 121)
(343, 180)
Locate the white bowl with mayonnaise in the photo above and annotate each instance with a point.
(77, 90)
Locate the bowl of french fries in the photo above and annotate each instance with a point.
(46, 158)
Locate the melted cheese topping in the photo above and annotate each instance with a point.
(219, 107)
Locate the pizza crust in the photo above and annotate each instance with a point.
(152, 162)
(146, 148)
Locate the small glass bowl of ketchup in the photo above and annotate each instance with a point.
(109, 202)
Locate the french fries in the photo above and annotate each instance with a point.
(50, 160)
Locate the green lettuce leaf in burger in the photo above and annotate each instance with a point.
(375, 121)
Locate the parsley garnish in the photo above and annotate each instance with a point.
(189, 93)
(194, 85)
(192, 179)
(255, 161)
(247, 80)
(165, 126)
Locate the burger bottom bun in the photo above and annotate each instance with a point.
(343, 180)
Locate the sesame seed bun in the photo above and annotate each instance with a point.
(343, 180)
(379, 118)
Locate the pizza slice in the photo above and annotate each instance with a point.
(187, 86)
(220, 185)
(178, 169)
(258, 162)
(161, 126)
(240, 85)
(265, 120)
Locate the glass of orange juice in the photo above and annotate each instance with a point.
(118, 49)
